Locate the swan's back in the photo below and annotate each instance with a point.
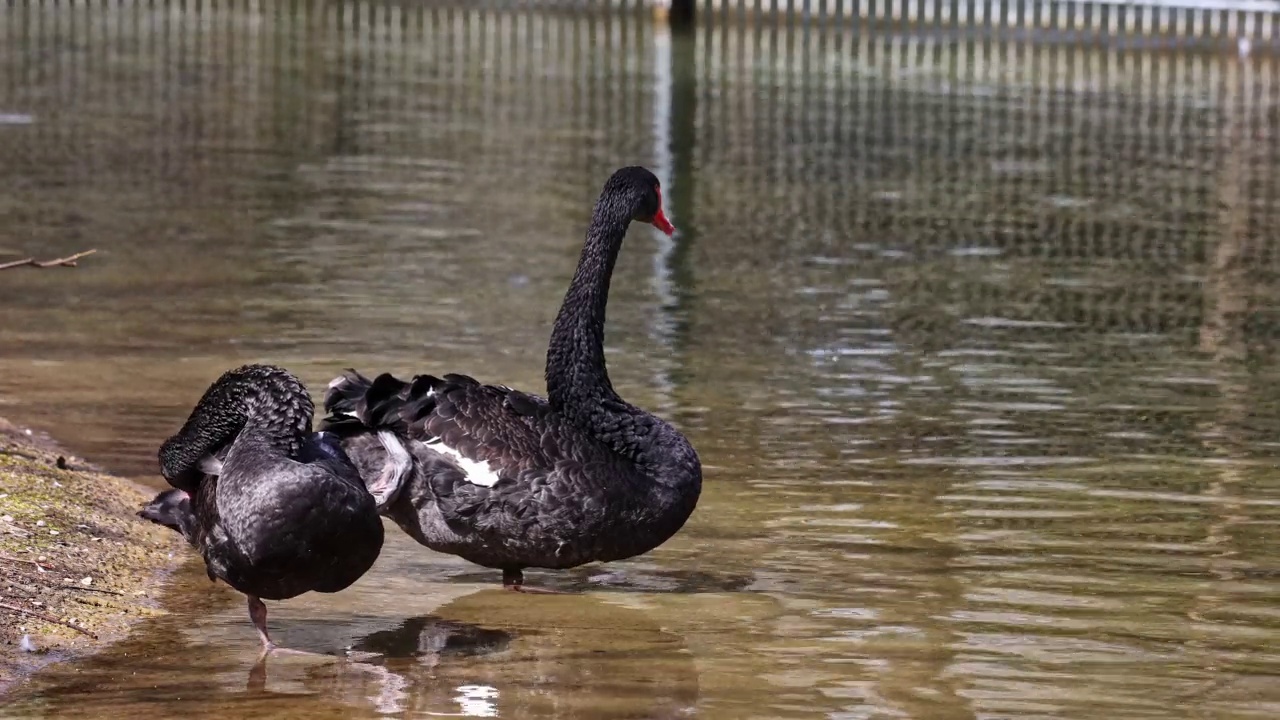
(288, 526)
(286, 512)
(499, 472)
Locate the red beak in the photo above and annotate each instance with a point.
(661, 222)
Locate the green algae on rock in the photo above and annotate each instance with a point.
(77, 565)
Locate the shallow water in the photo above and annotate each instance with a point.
(976, 343)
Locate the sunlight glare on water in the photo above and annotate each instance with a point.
(975, 342)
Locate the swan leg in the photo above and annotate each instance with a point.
(513, 580)
(258, 614)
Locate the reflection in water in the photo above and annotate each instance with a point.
(481, 654)
(432, 637)
(426, 641)
(974, 341)
(533, 665)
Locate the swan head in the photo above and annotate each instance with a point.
(639, 188)
(172, 509)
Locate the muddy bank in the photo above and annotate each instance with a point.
(77, 566)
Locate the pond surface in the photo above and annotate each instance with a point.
(977, 343)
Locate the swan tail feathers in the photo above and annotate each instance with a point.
(372, 418)
(344, 392)
(422, 398)
(353, 401)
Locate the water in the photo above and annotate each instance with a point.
(977, 344)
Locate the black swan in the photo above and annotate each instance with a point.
(275, 509)
(509, 480)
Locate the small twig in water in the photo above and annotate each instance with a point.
(46, 618)
(68, 261)
(17, 263)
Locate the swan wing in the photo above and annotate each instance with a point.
(509, 465)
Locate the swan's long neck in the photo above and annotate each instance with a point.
(578, 382)
(259, 402)
(577, 379)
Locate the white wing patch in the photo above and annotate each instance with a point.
(399, 463)
(476, 472)
(210, 465)
(398, 457)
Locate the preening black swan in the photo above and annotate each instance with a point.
(275, 509)
(509, 480)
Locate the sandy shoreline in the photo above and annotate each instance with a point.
(77, 566)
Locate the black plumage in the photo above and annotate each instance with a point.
(510, 480)
(275, 509)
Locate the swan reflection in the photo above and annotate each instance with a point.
(496, 653)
